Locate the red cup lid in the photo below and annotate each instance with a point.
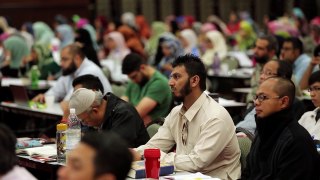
(154, 153)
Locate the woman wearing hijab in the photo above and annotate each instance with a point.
(41, 56)
(157, 28)
(189, 42)
(118, 49)
(16, 49)
(214, 43)
(42, 33)
(132, 40)
(246, 36)
(65, 34)
(171, 48)
(84, 39)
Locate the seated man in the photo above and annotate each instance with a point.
(201, 129)
(95, 159)
(148, 90)
(310, 120)
(272, 68)
(109, 113)
(8, 161)
(282, 149)
(73, 64)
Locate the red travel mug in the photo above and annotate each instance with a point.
(152, 163)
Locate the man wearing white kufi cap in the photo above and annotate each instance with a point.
(109, 113)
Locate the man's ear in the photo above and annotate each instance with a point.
(284, 102)
(194, 81)
(106, 176)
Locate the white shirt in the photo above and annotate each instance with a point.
(18, 173)
(308, 121)
(63, 89)
(211, 146)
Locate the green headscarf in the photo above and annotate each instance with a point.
(46, 63)
(157, 29)
(18, 49)
(42, 33)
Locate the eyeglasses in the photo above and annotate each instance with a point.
(185, 132)
(268, 73)
(317, 89)
(262, 97)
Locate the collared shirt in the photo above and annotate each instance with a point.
(18, 172)
(299, 66)
(211, 145)
(308, 121)
(63, 89)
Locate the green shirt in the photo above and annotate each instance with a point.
(156, 88)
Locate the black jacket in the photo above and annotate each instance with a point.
(123, 119)
(282, 149)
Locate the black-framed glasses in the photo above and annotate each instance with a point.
(184, 132)
(315, 89)
(262, 97)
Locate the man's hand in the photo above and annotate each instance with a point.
(39, 98)
(65, 108)
(136, 156)
(315, 61)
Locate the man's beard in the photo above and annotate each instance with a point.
(143, 81)
(262, 59)
(71, 69)
(186, 90)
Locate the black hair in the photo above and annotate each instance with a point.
(315, 77)
(112, 154)
(296, 43)
(75, 49)
(272, 42)
(132, 62)
(7, 149)
(316, 51)
(194, 66)
(285, 69)
(89, 81)
(285, 87)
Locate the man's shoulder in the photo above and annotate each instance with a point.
(295, 133)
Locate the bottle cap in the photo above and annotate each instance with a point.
(72, 111)
(62, 127)
(153, 153)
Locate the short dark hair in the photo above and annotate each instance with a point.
(315, 77)
(112, 154)
(7, 149)
(194, 66)
(89, 81)
(285, 87)
(296, 43)
(132, 62)
(272, 42)
(75, 49)
(285, 69)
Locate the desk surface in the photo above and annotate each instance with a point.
(5, 82)
(230, 103)
(54, 110)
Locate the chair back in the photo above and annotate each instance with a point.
(153, 129)
(245, 145)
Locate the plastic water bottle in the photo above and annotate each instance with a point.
(216, 63)
(35, 75)
(61, 137)
(74, 130)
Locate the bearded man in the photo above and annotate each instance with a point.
(201, 129)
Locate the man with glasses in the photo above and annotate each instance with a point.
(148, 90)
(273, 68)
(282, 149)
(310, 119)
(109, 113)
(265, 50)
(201, 129)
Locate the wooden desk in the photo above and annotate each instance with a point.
(25, 121)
